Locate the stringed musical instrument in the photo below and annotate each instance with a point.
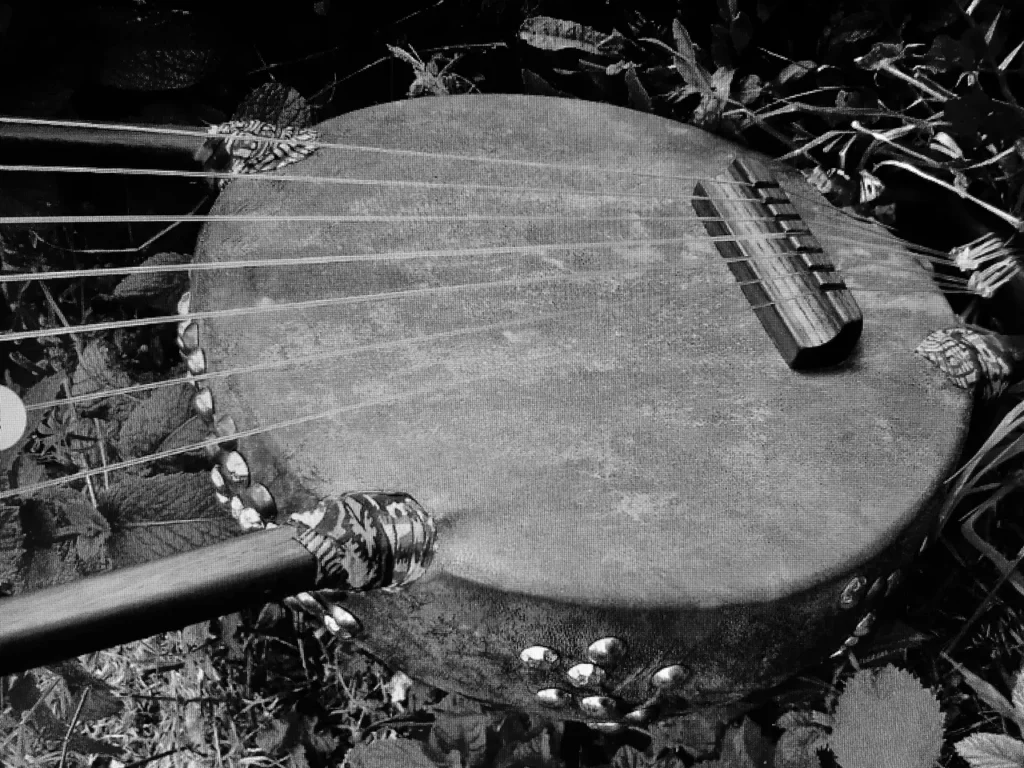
(631, 413)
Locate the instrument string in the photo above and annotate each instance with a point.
(200, 134)
(515, 283)
(869, 229)
(319, 356)
(284, 424)
(389, 256)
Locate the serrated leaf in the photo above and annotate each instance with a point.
(697, 732)
(630, 757)
(886, 717)
(805, 734)
(991, 750)
(159, 290)
(276, 103)
(12, 546)
(153, 419)
(390, 753)
(746, 746)
(162, 515)
(460, 724)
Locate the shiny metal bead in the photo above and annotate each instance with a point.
(555, 698)
(670, 677)
(606, 651)
(853, 592)
(225, 426)
(260, 499)
(221, 498)
(850, 641)
(892, 582)
(538, 657)
(340, 622)
(185, 303)
(249, 519)
(924, 545)
(843, 650)
(606, 727)
(234, 467)
(864, 625)
(202, 403)
(218, 479)
(640, 716)
(195, 362)
(600, 706)
(188, 336)
(876, 588)
(585, 674)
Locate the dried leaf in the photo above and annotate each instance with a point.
(795, 71)
(550, 34)
(991, 750)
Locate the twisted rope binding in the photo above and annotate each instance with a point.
(255, 146)
(364, 541)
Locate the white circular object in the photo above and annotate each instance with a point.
(13, 418)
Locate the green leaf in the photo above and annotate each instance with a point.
(460, 724)
(638, 96)
(886, 717)
(162, 515)
(630, 757)
(746, 746)
(991, 750)
(806, 732)
(390, 753)
(881, 56)
(741, 30)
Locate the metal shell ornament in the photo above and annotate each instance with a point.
(606, 651)
(853, 592)
(554, 698)
(599, 706)
(538, 657)
(669, 678)
(586, 674)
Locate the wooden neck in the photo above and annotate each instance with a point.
(49, 625)
(37, 139)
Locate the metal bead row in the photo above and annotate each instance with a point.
(857, 591)
(250, 503)
(602, 653)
